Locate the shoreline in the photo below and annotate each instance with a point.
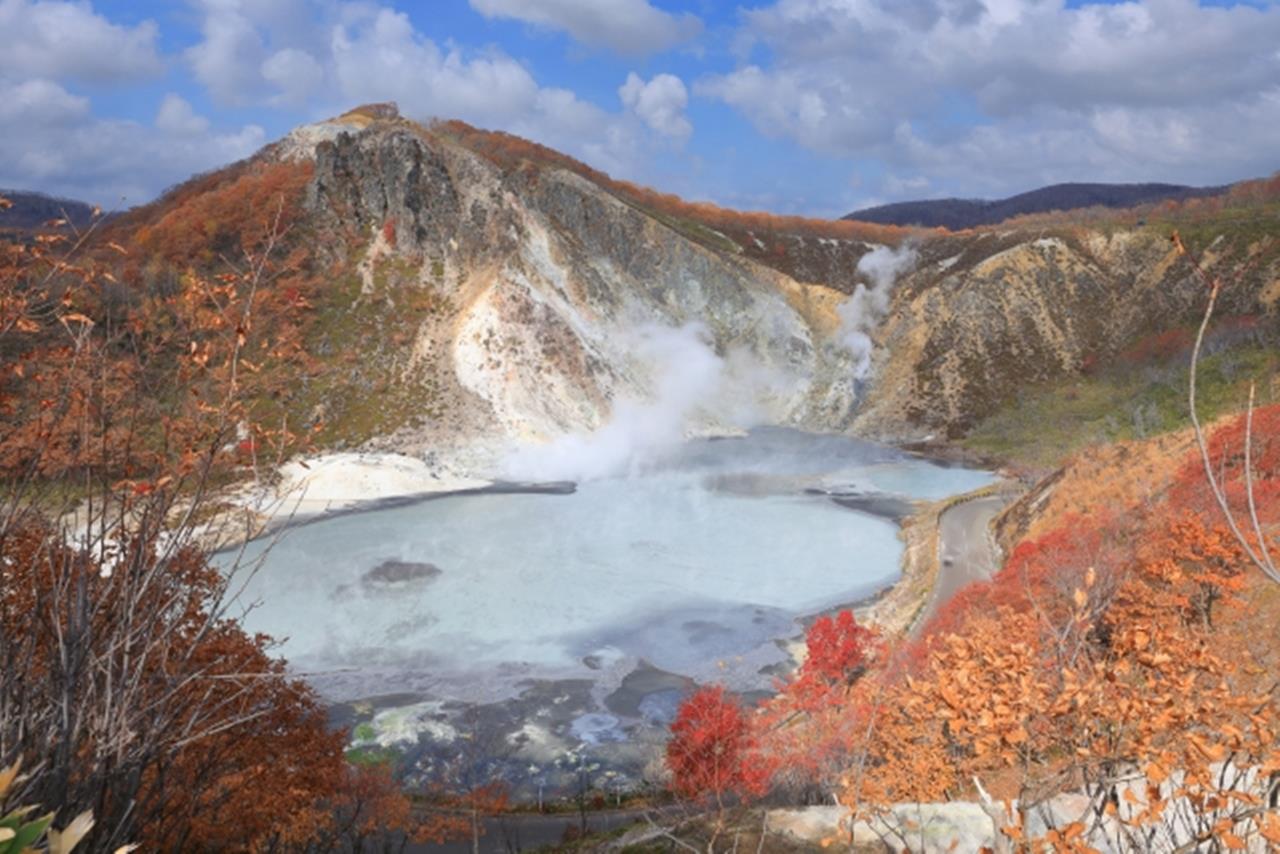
(317, 489)
(904, 606)
(305, 490)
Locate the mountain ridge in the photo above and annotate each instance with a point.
(31, 210)
(956, 214)
(471, 289)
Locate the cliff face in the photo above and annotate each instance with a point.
(563, 300)
(987, 315)
(551, 300)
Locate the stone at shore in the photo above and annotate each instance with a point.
(919, 828)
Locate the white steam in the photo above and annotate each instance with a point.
(862, 311)
(687, 373)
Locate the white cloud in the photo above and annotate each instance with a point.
(660, 103)
(65, 150)
(328, 56)
(229, 59)
(384, 58)
(629, 27)
(319, 57)
(1201, 145)
(379, 56)
(177, 117)
(294, 73)
(1147, 89)
(68, 41)
(262, 50)
(40, 104)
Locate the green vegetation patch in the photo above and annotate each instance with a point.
(1045, 425)
(371, 755)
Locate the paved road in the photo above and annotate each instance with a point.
(965, 550)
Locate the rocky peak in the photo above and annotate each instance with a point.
(394, 179)
(384, 111)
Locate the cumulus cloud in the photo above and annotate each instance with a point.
(294, 73)
(227, 61)
(1137, 90)
(326, 56)
(40, 104)
(315, 57)
(660, 103)
(629, 27)
(270, 51)
(54, 59)
(384, 55)
(69, 41)
(65, 150)
(176, 116)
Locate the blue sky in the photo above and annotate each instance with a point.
(805, 106)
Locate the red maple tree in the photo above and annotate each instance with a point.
(710, 751)
(838, 649)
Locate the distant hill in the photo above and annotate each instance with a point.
(31, 210)
(967, 213)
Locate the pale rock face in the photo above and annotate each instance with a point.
(517, 352)
(553, 281)
(301, 142)
(565, 300)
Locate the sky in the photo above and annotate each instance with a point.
(816, 107)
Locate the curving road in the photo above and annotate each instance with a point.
(966, 552)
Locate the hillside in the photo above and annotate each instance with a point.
(462, 289)
(958, 214)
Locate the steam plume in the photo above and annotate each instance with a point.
(687, 372)
(862, 311)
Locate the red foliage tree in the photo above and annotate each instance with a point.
(1226, 448)
(710, 751)
(837, 648)
(232, 216)
(127, 686)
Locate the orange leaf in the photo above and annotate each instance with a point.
(1229, 839)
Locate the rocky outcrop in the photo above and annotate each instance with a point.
(564, 299)
(986, 315)
(553, 295)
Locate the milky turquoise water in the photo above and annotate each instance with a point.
(695, 565)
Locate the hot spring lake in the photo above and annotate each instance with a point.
(603, 602)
